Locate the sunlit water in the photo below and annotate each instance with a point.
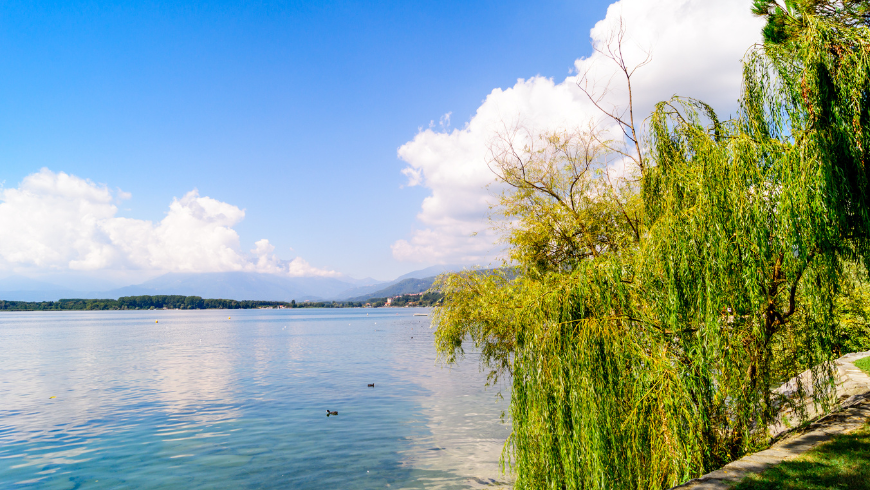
(199, 400)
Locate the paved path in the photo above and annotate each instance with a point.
(851, 382)
(853, 392)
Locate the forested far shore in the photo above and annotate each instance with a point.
(173, 302)
(138, 303)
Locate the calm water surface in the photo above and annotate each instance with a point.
(202, 401)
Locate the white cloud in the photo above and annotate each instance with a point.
(299, 267)
(56, 221)
(696, 48)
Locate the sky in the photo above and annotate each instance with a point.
(337, 139)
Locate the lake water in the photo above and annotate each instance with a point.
(199, 400)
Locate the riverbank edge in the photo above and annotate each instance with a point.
(854, 413)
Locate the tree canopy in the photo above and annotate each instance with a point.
(656, 308)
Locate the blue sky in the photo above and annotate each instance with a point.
(291, 111)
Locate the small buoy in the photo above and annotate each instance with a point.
(156, 321)
(229, 318)
(51, 397)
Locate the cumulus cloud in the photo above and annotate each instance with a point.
(57, 221)
(696, 48)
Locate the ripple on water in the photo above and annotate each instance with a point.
(195, 401)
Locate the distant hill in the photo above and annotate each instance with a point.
(406, 286)
(19, 288)
(361, 291)
(366, 281)
(431, 271)
(413, 285)
(233, 285)
(237, 285)
(21, 283)
(43, 295)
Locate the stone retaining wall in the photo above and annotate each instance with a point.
(853, 397)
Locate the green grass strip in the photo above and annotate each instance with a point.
(864, 363)
(843, 463)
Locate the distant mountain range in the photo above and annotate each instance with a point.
(405, 286)
(235, 285)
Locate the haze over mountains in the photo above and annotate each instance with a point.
(235, 285)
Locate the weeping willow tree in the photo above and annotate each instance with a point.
(653, 314)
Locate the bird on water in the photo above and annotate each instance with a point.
(371, 385)
(328, 413)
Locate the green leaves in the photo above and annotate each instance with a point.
(654, 313)
(763, 7)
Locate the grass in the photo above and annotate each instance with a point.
(843, 463)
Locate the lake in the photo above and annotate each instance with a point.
(238, 399)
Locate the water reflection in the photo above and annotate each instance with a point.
(200, 401)
(466, 431)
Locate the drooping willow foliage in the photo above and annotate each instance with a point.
(653, 315)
